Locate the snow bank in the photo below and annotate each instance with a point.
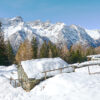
(10, 71)
(89, 63)
(72, 86)
(67, 86)
(35, 67)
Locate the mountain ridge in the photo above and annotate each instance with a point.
(17, 30)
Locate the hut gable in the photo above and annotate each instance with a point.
(21, 74)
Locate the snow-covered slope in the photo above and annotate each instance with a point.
(95, 34)
(62, 34)
(78, 85)
(8, 72)
(16, 30)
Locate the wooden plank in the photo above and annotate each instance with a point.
(88, 65)
(73, 67)
(55, 69)
(96, 73)
(92, 73)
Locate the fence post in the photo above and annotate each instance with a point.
(88, 70)
(15, 83)
(45, 75)
(60, 70)
(10, 80)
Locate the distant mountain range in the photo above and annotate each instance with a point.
(17, 30)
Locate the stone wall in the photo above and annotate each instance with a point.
(26, 83)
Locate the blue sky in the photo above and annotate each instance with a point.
(85, 13)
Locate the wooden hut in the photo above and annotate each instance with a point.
(31, 72)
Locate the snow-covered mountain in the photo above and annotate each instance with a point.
(16, 30)
(95, 34)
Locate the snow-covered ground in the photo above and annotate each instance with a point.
(77, 85)
(8, 72)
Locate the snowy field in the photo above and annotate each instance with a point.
(77, 85)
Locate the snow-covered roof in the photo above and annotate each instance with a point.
(34, 68)
(92, 56)
(86, 63)
(89, 63)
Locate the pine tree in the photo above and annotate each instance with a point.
(44, 50)
(50, 54)
(10, 53)
(35, 47)
(71, 56)
(50, 51)
(25, 52)
(53, 49)
(75, 56)
(90, 51)
(3, 54)
(64, 52)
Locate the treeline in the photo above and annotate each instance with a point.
(78, 53)
(7, 56)
(31, 50)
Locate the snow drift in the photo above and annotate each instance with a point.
(8, 72)
(67, 86)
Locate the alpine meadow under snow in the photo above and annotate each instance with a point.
(77, 85)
